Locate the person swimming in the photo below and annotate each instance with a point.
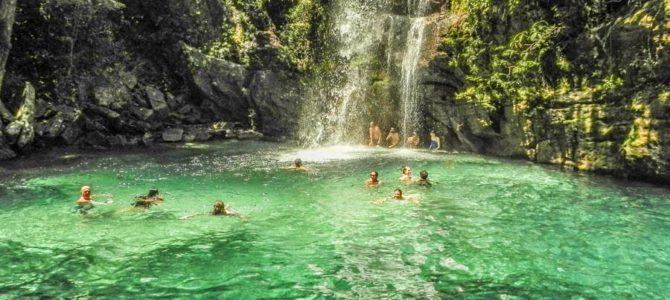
(406, 174)
(152, 198)
(397, 195)
(218, 209)
(373, 180)
(423, 179)
(85, 201)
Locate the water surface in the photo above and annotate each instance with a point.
(487, 228)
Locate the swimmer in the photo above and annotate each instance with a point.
(397, 195)
(373, 180)
(218, 209)
(297, 166)
(152, 198)
(85, 201)
(423, 180)
(406, 174)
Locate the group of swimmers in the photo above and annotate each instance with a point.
(86, 203)
(406, 177)
(393, 138)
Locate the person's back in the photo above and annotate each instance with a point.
(423, 179)
(152, 198)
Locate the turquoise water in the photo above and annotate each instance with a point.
(487, 228)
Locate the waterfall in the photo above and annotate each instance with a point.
(376, 52)
(410, 63)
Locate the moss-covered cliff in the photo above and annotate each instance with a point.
(574, 83)
(105, 73)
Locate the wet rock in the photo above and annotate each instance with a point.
(104, 112)
(148, 139)
(157, 102)
(117, 140)
(197, 134)
(275, 96)
(71, 133)
(172, 134)
(95, 140)
(111, 97)
(142, 113)
(21, 131)
(220, 83)
(248, 134)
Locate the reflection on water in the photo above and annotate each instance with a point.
(486, 229)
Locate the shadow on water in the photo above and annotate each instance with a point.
(86, 272)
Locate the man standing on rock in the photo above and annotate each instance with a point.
(375, 134)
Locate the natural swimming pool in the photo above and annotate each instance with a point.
(488, 228)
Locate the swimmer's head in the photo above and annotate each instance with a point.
(298, 162)
(406, 170)
(397, 194)
(374, 174)
(153, 192)
(218, 206)
(85, 189)
(423, 174)
(372, 124)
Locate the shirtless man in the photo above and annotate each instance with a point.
(85, 201)
(413, 140)
(393, 138)
(375, 134)
(373, 180)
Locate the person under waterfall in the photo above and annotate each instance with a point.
(434, 141)
(375, 134)
(393, 138)
(413, 140)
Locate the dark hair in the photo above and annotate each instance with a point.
(374, 172)
(298, 162)
(398, 190)
(153, 192)
(423, 174)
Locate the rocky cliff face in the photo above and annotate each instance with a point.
(581, 85)
(109, 73)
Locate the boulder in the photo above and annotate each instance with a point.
(147, 139)
(142, 113)
(219, 83)
(248, 134)
(104, 112)
(172, 134)
(111, 97)
(157, 102)
(276, 97)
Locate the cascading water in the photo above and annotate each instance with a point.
(410, 63)
(377, 51)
